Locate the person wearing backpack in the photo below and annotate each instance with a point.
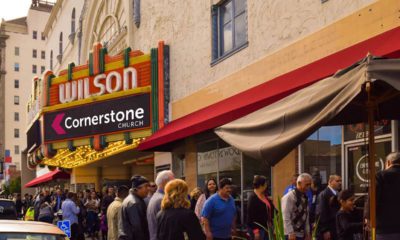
(46, 213)
(295, 210)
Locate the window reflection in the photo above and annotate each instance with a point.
(322, 152)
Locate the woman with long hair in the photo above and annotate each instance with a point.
(210, 188)
(194, 196)
(260, 209)
(92, 209)
(175, 218)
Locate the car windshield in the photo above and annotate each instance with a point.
(7, 210)
(30, 236)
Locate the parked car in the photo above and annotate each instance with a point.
(24, 230)
(7, 209)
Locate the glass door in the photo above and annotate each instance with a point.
(356, 164)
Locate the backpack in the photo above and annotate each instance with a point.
(30, 214)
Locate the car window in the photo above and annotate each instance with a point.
(30, 236)
(7, 210)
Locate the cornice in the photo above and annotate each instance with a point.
(53, 16)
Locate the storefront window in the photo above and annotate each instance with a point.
(357, 156)
(359, 131)
(216, 159)
(178, 165)
(322, 152)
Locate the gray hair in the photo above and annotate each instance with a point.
(394, 157)
(303, 176)
(163, 177)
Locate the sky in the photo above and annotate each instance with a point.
(14, 8)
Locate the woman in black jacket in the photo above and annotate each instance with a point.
(175, 218)
(260, 209)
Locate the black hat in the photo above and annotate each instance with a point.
(137, 181)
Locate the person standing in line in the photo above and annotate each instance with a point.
(347, 226)
(327, 208)
(19, 205)
(38, 201)
(295, 210)
(259, 209)
(175, 217)
(293, 184)
(114, 211)
(70, 212)
(152, 190)
(154, 206)
(47, 196)
(210, 188)
(108, 199)
(92, 220)
(58, 199)
(46, 213)
(219, 213)
(133, 221)
(388, 199)
(194, 197)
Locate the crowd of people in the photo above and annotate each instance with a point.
(331, 213)
(166, 210)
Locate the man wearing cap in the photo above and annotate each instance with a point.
(133, 223)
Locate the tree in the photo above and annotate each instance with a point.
(15, 186)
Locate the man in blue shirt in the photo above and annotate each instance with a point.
(70, 212)
(58, 199)
(219, 213)
(292, 185)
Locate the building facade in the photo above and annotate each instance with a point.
(23, 56)
(72, 31)
(229, 58)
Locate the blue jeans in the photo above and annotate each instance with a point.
(92, 222)
(47, 219)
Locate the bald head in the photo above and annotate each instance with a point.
(393, 158)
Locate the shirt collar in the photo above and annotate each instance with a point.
(332, 190)
(160, 191)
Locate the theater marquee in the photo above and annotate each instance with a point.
(104, 107)
(106, 117)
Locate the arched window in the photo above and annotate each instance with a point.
(51, 60)
(73, 21)
(109, 21)
(60, 50)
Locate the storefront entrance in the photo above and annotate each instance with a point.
(356, 164)
(355, 153)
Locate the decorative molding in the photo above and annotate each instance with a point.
(71, 37)
(136, 12)
(52, 17)
(59, 58)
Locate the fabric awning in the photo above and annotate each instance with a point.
(269, 92)
(273, 131)
(53, 175)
